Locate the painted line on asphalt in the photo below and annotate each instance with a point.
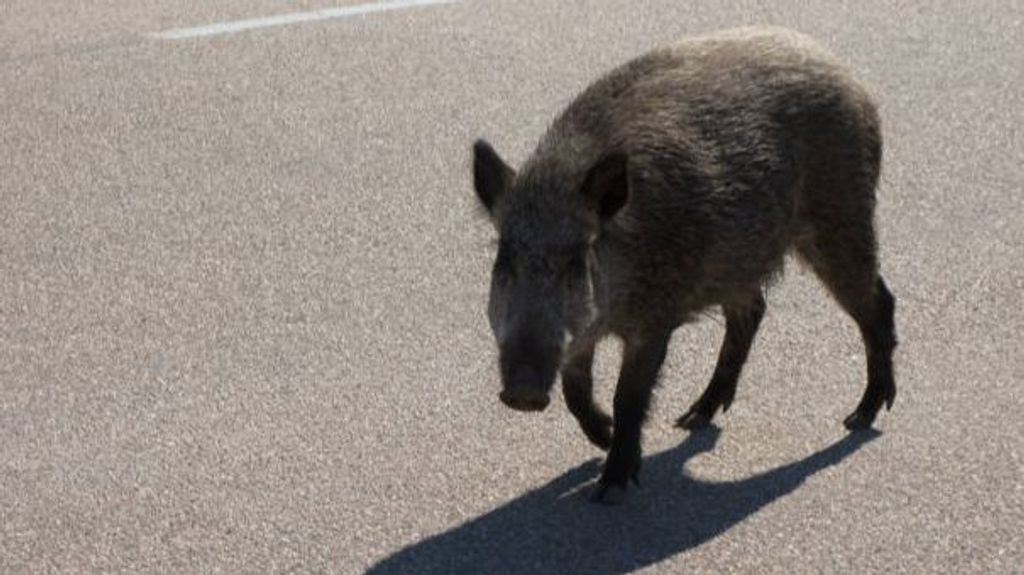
(293, 18)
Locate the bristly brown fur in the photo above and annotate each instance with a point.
(686, 174)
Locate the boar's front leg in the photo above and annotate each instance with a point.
(741, 323)
(578, 389)
(641, 361)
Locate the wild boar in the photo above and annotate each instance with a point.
(678, 182)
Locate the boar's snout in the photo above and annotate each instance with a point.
(525, 398)
(526, 389)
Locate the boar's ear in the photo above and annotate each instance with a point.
(491, 176)
(606, 186)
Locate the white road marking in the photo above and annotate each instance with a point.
(293, 18)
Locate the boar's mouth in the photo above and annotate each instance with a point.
(525, 399)
(527, 379)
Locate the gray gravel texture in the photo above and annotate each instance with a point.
(243, 279)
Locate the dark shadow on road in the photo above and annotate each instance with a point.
(554, 529)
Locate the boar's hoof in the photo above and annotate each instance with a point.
(693, 420)
(858, 420)
(606, 494)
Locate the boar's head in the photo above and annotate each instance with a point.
(541, 281)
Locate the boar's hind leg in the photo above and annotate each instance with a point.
(879, 334)
(845, 260)
(641, 361)
(578, 389)
(741, 323)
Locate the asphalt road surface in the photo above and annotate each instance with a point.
(243, 279)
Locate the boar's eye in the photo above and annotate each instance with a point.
(575, 267)
(578, 262)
